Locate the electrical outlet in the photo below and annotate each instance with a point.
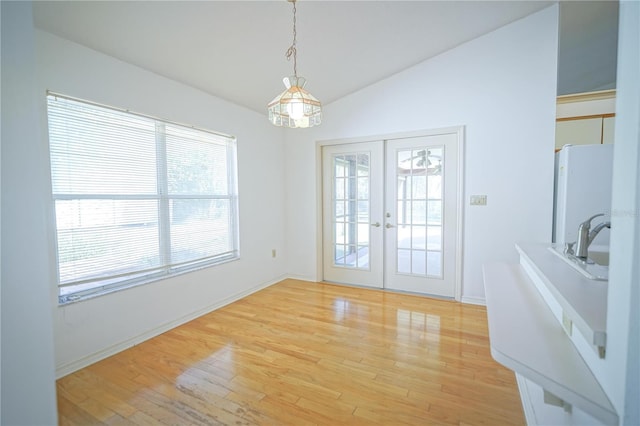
(273, 252)
(478, 200)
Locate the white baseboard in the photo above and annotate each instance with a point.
(68, 368)
(474, 300)
(302, 278)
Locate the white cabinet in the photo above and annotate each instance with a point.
(579, 131)
(584, 130)
(585, 119)
(608, 127)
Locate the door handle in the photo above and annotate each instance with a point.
(388, 225)
(377, 224)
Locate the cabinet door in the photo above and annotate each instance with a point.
(608, 127)
(579, 132)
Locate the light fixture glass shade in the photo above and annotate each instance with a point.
(295, 107)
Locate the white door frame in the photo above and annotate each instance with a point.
(458, 130)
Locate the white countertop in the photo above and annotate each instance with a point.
(525, 337)
(583, 301)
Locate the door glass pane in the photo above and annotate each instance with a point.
(350, 164)
(401, 213)
(351, 189)
(339, 233)
(434, 212)
(404, 162)
(363, 211)
(418, 212)
(406, 185)
(404, 261)
(434, 173)
(349, 232)
(419, 203)
(434, 187)
(363, 165)
(418, 234)
(363, 256)
(339, 254)
(404, 237)
(434, 264)
(418, 262)
(339, 164)
(434, 238)
(419, 187)
(339, 189)
(351, 210)
(363, 188)
(351, 257)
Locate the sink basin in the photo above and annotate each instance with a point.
(595, 267)
(599, 257)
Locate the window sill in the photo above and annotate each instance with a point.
(72, 299)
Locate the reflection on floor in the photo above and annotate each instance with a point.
(301, 353)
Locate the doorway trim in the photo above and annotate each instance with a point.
(460, 133)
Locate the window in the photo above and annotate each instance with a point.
(136, 198)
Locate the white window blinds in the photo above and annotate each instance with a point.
(136, 198)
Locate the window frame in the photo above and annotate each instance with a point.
(166, 269)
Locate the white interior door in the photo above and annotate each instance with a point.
(421, 214)
(391, 213)
(352, 213)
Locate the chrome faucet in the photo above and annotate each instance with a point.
(586, 235)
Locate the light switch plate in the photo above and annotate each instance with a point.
(478, 200)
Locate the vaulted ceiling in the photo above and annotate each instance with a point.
(235, 49)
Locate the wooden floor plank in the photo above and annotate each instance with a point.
(300, 353)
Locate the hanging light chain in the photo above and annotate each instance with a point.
(292, 51)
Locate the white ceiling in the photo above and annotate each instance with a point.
(235, 49)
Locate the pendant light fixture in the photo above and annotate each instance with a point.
(295, 107)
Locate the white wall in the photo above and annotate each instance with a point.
(619, 374)
(28, 392)
(92, 329)
(502, 88)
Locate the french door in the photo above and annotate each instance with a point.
(391, 213)
(352, 211)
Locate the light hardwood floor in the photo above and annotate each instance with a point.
(300, 353)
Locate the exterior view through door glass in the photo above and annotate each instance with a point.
(352, 185)
(419, 211)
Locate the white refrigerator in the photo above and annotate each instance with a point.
(583, 176)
